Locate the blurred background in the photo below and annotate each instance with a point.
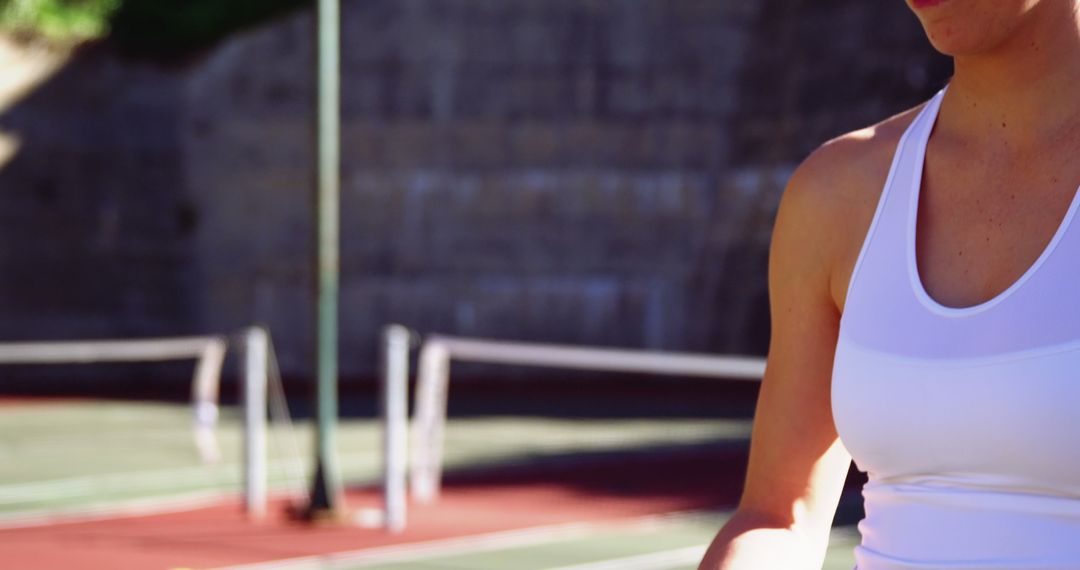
(583, 172)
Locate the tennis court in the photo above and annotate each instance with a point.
(115, 484)
(583, 189)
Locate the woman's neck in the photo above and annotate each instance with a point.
(1026, 90)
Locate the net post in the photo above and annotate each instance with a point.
(256, 352)
(204, 396)
(395, 379)
(430, 420)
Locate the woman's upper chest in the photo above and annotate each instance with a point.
(984, 216)
(995, 291)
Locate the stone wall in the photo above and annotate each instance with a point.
(94, 234)
(600, 172)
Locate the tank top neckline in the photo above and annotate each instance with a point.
(912, 218)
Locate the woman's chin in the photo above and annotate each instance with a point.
(956, 41)
(973, 27)
(951, 47)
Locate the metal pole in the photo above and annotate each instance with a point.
(429, 421)
(204, 394)
(254, 390)
(326, 493)
(395, 425)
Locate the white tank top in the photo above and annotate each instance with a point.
(966, 420)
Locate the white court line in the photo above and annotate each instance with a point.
(123, 508)
(110, 510)
(225, 473)
(652, 561)
(130, 481)
(429, 549)
(367, 557)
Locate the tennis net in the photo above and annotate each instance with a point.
(72, 457)
(532, 435)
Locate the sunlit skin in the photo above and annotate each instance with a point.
(1004, 145)
(963, 27)
(1015, 63)
(1000, 172)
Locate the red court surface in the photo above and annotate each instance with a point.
(604, 490)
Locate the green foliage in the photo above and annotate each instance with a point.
(156, 28)
(58, 20)
(171, 28)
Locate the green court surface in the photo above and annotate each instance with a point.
(67, 456)
(78, 456)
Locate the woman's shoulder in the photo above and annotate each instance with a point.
(853, 166)
(832, 195)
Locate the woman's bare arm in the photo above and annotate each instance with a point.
(797, 465)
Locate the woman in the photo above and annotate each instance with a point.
(925, 290)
